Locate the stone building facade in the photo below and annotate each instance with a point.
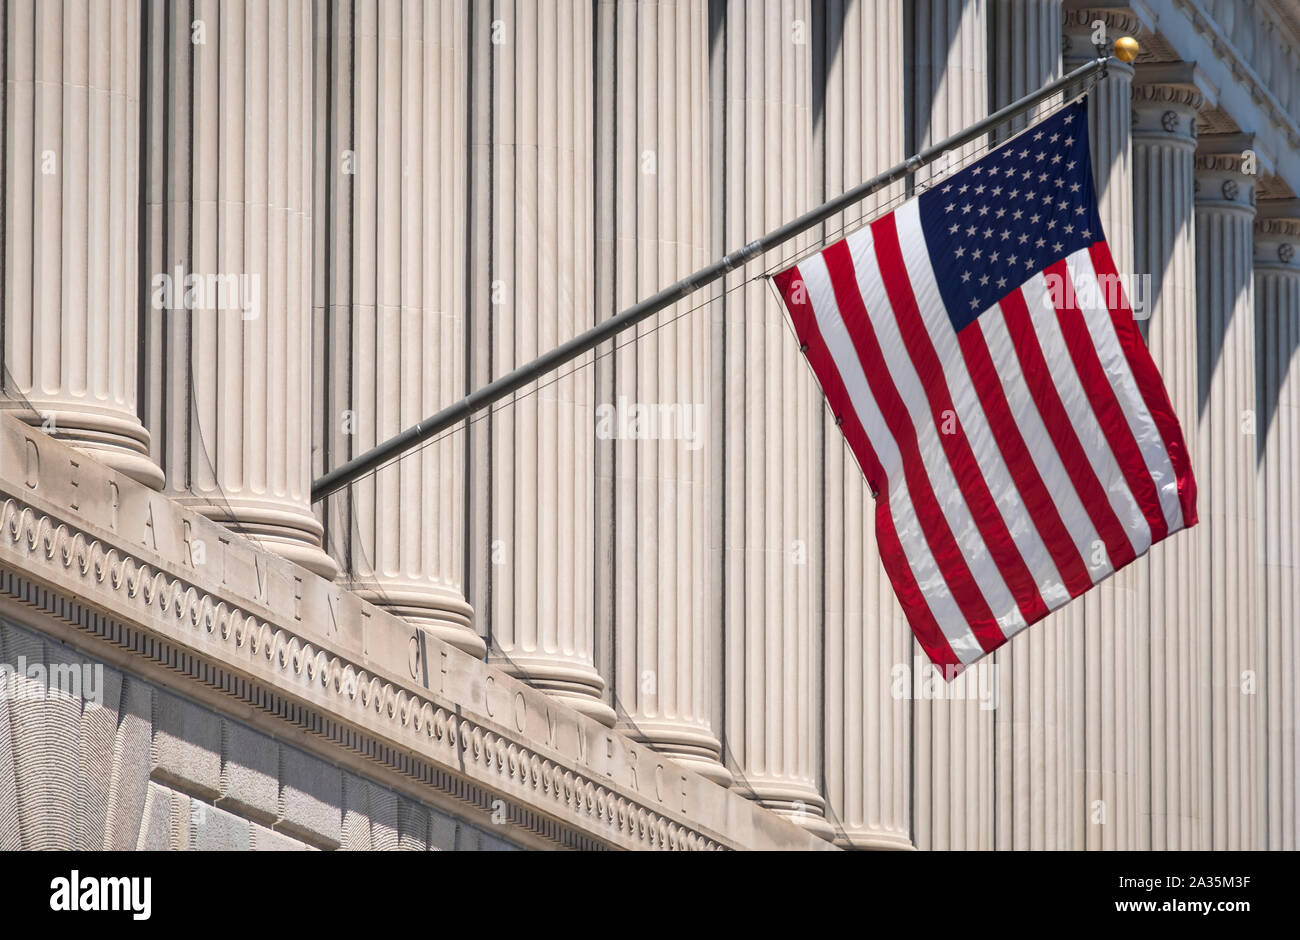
(640, 604)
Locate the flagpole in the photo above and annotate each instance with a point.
(494, 391)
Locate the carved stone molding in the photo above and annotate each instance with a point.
(1222, 162)
(1161, 94)
(1282, 227)
(1078, 20)
(292, 647)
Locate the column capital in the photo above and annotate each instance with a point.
(1078, 22)
(1166, 99)
(1121, 19)
(1228, 167)
(1277, 237)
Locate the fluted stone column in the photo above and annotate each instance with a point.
(1033, 778)
(1165, 103)
(1277, 345)
(1228, 591)
(1109, 116)
(1108, 681)
(772, 416)
(393, 306)
(1024, 55)
(71, 284)
(952, 788)
(946, 70)
(867, 728)
(532, 288)
(228, 204)
(653, 228)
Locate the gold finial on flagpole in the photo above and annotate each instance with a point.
(1126, 48)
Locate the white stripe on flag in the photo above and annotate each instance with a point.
(988, 578)
(1042, 313)
(938, 596)
(1102, 329)
(970, 412)
(1045, 456)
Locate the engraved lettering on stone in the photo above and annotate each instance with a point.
(150, 535)
(414, 657)
(333, 605)
(114, 501)
(187, 533)
(75, 500)
(33, 464)
(284, 650)
(521, 711)
(225, 556)
(552, 727)
(260, 570)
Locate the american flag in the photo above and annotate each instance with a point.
(980, 358)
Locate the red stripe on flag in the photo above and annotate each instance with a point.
(1038, 501)
(956, 446)
(1105, 405)
(1038, 379)
(943, 546)
(1149, 385)
(893, 558)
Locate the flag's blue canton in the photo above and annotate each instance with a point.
(1021, 208)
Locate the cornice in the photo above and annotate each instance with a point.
(1242, 71)
(97, 551)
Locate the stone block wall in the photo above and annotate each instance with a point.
(95, 758)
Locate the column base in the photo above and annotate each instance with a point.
(439, 611)
(575, 683)
(112, 437)
(278, 526)
(870, 840)
(693, 746)
(803, 806)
